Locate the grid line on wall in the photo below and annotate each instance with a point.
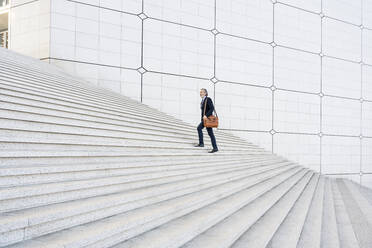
(272, 131)
(142, 35)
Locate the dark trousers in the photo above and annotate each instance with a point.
(210, 133)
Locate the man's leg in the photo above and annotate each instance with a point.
(213, 139)
(200, 132)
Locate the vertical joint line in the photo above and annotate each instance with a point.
(75, 4)
(121, 35)
(321, 98)
(142, 35)
(361, 94)
(141, 86)
(50, 32)
(272, 81)
(214, 50)
(142, 31)
(215, 14)
(320, 156)
(214, 54)
(214, 94)
(321, 90)
(99, 37)
(361, 12)
(321, 34)
(273, 38)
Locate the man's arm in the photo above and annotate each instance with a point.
(210, 107)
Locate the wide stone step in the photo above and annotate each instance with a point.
(359, 211)
(269, 219)
(365, 191)
(216, 216)
(120, 227)
(122, 164)
(99, 181)
(60, 150)
(6, 162)
(56, 217)
(35, 176)
(38, 195)
(75, 145)
(344, 223)
(295, 219)
(311, 231)
(21, 131)
(329, 231)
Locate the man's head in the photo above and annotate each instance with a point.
(203, 92)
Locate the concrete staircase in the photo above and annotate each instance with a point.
(81, 166)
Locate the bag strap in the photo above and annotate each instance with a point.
(205, 106)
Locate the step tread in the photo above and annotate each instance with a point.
(330, 237)
(359, 210)
(367, 192)
(311, 231)
(211, 221)
(24, 169)
(345, 227)
(36, 216)
(52, 187)
(98, 231)
(295, 219)
(101, 188)
(260, 234)
(37, 176)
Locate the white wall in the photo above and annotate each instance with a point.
(29, 29)
(292, 76)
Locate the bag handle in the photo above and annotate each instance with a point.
(205, 106)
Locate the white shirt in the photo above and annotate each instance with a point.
(201, 103)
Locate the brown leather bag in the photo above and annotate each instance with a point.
(211, 121)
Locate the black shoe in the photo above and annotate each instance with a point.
(199, 145)
(213, 151)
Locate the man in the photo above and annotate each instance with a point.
(208, 112)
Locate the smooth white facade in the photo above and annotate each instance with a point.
(294, 77)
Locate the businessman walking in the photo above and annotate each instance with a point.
(208, 112)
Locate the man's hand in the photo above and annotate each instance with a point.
(205, 117)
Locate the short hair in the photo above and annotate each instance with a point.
(205, 90)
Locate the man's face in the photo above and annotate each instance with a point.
(202, 93)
